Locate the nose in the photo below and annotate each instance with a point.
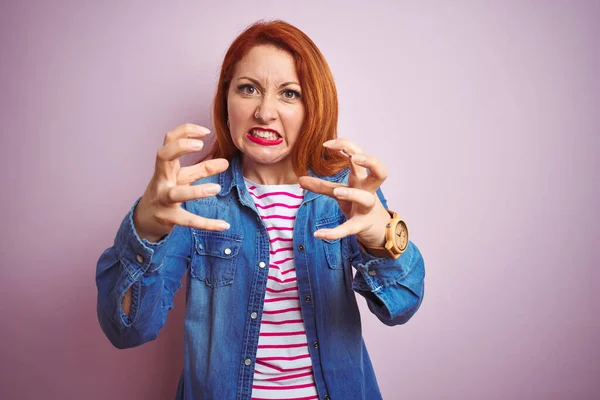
(266, 111)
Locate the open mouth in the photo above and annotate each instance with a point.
(264, 137)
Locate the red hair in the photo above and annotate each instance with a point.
(318, 95)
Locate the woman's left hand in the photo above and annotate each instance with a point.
(366, 216)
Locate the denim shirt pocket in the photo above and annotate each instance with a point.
(215, 257)
(334, 249)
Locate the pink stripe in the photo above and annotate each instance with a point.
(277, 217)
(282, 290)
(283, 378)
(288, 271)
(252, 188)
(281, 346)
(279, 228)
(284, 260)
(293, 358)
(282, 281)
(295, 196)
(276, 205)
(281, 249)
(287, 321)
(279, 387)
(274, 266)
(265, 364)
(282, 311)
(280, 239)
(280, 299)
(288, 398)
(296, 333)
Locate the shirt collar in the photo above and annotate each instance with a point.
(233, 176)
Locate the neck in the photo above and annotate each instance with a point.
(280, 173)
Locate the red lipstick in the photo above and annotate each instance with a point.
(263, 141)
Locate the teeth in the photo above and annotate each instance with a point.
(265, 135)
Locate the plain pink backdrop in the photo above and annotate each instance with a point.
(486, 114)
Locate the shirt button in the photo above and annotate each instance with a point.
(139, 258)
(247, 361)
(372, 272)
(228, 251)
(301, 247)
(326, 397)
(254, 315)
(316, 345)
(262, 264)
(308, 299)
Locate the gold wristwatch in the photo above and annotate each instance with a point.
(396, 238)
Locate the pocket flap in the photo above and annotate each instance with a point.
(217, 244)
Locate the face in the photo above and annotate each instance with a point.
(265, 107)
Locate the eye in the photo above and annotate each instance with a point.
(247, 89)
(290, 94)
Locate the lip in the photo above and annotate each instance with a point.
(261, 141)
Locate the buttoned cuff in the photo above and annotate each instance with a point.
(380, 277)
(137, 255)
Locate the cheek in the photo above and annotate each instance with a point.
(294, 119)
(238, 111)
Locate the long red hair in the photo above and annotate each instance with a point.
(318, 94)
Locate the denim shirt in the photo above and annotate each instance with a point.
(226, 281)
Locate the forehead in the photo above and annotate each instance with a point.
(267, 63)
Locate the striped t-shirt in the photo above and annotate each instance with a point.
(283, 366)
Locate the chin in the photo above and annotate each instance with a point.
(265, 157)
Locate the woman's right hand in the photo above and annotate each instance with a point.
(159, 209)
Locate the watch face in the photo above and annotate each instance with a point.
(401, 235)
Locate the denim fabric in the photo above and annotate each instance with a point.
(226, 284)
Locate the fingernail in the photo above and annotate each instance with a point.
(213, 189)
(327, 143)
(205, 130)
(340, 192)
(196, 144)
(318, 235)
(225, 225)
(359, 157)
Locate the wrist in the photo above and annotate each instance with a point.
(150, 235)
(396, 238)
(376, 235)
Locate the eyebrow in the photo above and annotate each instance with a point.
(257, 83)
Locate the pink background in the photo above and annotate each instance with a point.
(486, 113)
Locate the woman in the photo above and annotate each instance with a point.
(271, 230)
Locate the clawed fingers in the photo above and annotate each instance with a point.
(350, 227)
(350, 149)
(317, 185)
(182, 140)
(175, 149)
(377, 171)
(186, 131)
(181, 217)
(347, 146)
(358, 196)
(181, 193)
(187, 175)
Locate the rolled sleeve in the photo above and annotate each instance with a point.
(393, 288)
(136, 254)
(136, 263)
